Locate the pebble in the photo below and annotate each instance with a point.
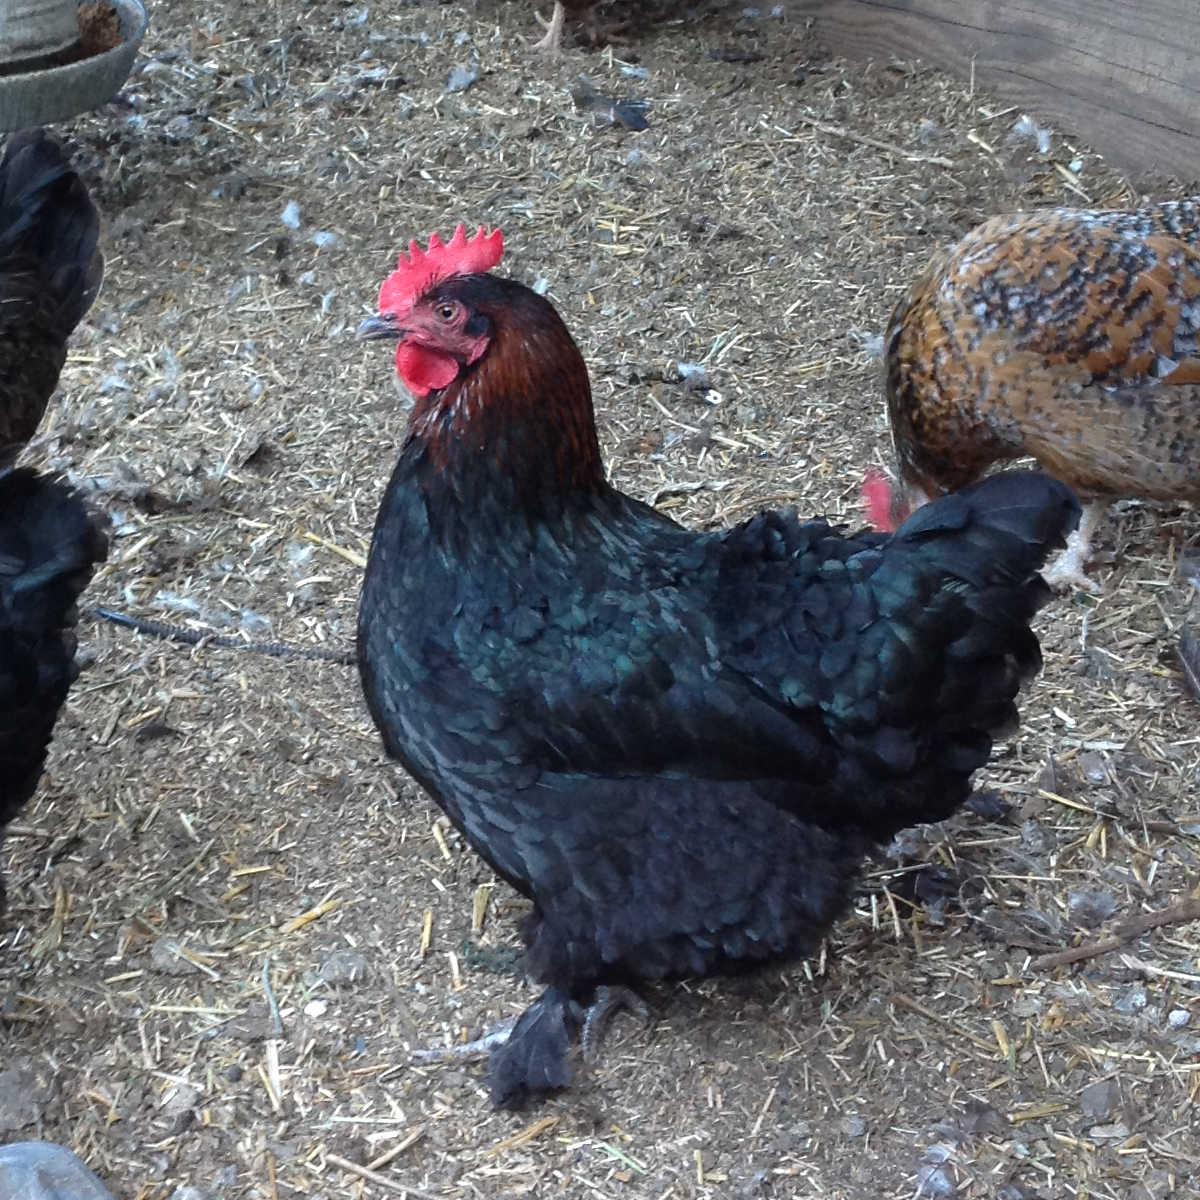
(343, 967)
(44, 1171)
(24, 1091)
(1099, 1100)
(935, 1181)
(461, 78)
(1134, 1000)
(1091, 906)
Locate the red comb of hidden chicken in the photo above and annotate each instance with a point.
(877, 495)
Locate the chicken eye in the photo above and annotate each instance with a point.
(446, 312)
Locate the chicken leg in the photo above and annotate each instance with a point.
(551, 44)
(1067, 571)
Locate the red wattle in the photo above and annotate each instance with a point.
(424, 370)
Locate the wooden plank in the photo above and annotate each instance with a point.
(1125, 74)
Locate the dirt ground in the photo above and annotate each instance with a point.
(231, 920)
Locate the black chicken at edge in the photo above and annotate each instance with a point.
(50, 271)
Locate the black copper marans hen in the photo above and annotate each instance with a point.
(678, 745)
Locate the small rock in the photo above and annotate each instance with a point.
(979, 1117)
(167, 959)
(44, 1171)
(983, 802)
(256, 1024)
(1093, 767)
(179, 1098)
(343, 968)
(1177, 1018)
(1090, 907)
(1035, 837)
(1116, 1132)
(24, 1093)
(693, 376)
(1131, 1001)
(854, 1127)
(935, 1181)
(291, 215)
(461, 78)
(179, 127)
(907, 844)
(1156, 1184)
(1098, 1101)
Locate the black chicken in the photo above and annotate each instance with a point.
(49, 544)
(50, 271)
(678, 745)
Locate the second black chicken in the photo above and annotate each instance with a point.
(678, 745)
(49, 545)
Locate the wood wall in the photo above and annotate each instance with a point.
(1124, 74)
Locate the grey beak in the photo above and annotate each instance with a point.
(382, 325)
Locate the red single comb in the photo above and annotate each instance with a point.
(417, 273)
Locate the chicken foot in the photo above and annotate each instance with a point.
(551, 44)
(530, 1053)
(1067, 571)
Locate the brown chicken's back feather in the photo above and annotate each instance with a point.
(1072, 336)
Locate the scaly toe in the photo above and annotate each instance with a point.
(608, 1001)
(465, 1051)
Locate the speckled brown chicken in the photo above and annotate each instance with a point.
(1067, 335)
